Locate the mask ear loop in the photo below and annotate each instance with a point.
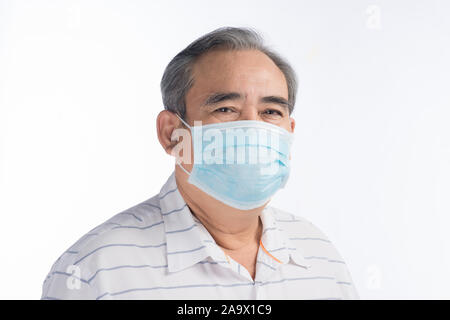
(184, 122)
(179, 164)
(187, 172)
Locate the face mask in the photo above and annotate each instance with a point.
(240, 163)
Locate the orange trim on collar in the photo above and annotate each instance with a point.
(262, 246)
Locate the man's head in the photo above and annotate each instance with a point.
(229, 74)
(226, 75)
(180, 74)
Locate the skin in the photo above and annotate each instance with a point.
(253, 75)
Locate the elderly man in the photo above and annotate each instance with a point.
(209, 233)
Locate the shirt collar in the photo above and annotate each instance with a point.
(277, 243)
(188, 242)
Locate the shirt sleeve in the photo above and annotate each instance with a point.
(346, 284)
(342, 273)
(65, 281)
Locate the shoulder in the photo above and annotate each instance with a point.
(316, 247)
(298, 227)
(135, 226)
(110, 243)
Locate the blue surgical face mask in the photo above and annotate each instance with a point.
(240, 163)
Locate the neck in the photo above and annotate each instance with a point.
(232, 236)
(232, 229)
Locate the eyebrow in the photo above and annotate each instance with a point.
(218, 97)
(278, 100)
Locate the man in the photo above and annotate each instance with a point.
(210, 233)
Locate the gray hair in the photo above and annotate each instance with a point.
(177, 78)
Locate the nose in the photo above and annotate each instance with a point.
(249, 113)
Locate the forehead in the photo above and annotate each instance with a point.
(250, 72)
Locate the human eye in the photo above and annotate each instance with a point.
(225, 113)
(223, 110)
(273, 112)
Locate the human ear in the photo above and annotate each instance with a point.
(166, 123)
(292, 124)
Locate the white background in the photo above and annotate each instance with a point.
(79, 95)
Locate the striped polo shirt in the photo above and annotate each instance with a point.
(159, 250)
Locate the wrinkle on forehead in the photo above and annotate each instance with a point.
(250, 72)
